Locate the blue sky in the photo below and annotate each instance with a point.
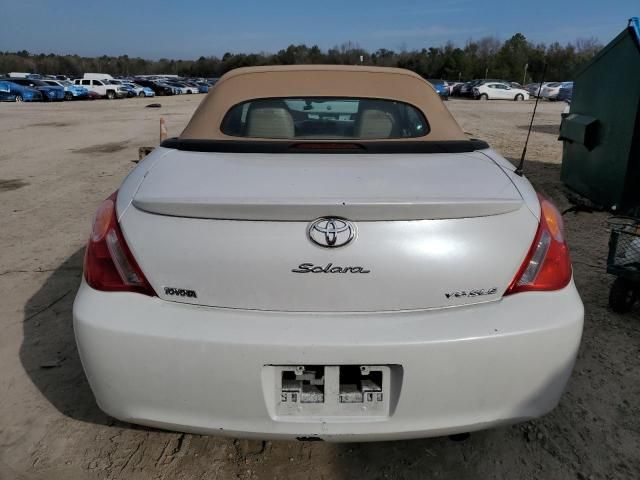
(191, 28)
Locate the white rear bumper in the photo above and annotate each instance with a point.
(201, 369)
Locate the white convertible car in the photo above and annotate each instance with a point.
(323, 254)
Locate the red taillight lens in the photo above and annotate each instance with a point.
(108, 263)
(547, 265)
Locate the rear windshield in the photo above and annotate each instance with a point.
(324, 118)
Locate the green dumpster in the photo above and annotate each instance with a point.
(601, 135)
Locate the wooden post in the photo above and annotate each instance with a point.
(144, 151)
(163, 129)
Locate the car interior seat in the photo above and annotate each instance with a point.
(374, 122)
(270, 120)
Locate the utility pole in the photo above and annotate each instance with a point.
(486, 73)
(524, 79)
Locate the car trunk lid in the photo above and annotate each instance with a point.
(231, 230)
(301, 187)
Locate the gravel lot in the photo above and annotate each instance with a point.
(58, 161)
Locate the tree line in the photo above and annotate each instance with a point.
(515, 59)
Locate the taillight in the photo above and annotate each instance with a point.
(547, 266)
(108, 263)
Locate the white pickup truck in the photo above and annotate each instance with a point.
(102, 87)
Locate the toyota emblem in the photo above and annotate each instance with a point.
(331, 232)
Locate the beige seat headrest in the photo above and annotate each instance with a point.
(270, 122)
(374, 123)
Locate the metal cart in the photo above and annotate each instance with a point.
(624, 262)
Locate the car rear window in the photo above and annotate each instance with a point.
(324, 118)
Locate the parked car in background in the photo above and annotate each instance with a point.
(466, 89)
(455, 91)
(203, 87)
(131, 92)
(14, 92)
(71, 91)
(550, 91)
(535, 89)
(139, 90)
(158, 89)
(196, 85)
(441, 88)
(103, 88)
(499, 91)
(451, 86)
(50, 93)
(184, 88)
(116, 82)
(174, 88)
(566, 92)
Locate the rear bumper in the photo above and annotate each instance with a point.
(202, 369)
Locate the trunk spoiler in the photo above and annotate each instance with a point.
(315, 146)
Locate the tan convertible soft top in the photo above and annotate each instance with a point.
(244, 84)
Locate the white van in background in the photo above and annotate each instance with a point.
(19, 75)
(97, 76)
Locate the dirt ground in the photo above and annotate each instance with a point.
(58, 161)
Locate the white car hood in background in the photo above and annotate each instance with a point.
(301, 187)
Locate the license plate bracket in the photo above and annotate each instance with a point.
(294, 392)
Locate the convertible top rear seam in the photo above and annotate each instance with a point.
(304, 146)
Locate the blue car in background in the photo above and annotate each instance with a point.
(148, 92)
(13, 92)
(202, 87)
(131, 91)
(49, 93)
(566, 92)
(71, 91)
(139, 90)
(441, 88)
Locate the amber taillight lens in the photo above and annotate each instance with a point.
(547, 266)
